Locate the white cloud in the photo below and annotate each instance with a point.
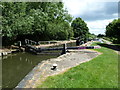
(78, 7)
(96, 13)
(98, 26)
(75, 7)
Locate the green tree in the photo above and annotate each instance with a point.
(43, 20)
(49, 19)
(15, 21)
(113, 30)
(92, 36)
(80, 28)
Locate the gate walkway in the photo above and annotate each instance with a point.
(47, 43)
(37, 50)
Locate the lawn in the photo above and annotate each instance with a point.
(101, 72)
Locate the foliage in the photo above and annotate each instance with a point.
(113, 30)
(43, 20)
(92, 36)
(80, 28)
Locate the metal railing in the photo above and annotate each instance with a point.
(30, 42)
(47, 42)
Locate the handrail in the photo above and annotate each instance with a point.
(30, 42)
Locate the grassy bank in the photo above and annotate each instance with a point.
(101, 72)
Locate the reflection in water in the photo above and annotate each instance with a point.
(16, 66)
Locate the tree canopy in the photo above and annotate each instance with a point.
(92, 36)
(113, 30)
(80, 28)
(41, 20)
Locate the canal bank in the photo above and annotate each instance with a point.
(4, 52)
(18, 65)
(64, 62)
(15, 66)
(12, 49)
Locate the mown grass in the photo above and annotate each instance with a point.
(101, 72)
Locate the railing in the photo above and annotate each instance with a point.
(30, 42)
(47, 42)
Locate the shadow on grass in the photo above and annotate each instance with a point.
(114, 47)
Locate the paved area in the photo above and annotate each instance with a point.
(64, 62)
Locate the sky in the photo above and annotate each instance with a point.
(96, 13)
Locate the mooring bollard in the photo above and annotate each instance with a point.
(54, 67)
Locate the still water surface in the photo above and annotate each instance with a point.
(16, 66)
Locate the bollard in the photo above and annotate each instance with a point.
(54, 67)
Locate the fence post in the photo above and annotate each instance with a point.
(64, 49)
(49, 42)
(26, 42)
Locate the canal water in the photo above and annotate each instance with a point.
(16, 66)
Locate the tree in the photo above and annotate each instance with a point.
(113, 30)
(80, 28)
(92, 36)
(49, 19)
(15, 21)
(43, 20)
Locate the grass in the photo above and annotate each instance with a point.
(101, 72)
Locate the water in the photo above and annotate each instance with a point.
(16, 66)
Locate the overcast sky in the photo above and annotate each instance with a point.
(96, 14)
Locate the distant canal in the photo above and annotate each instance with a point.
(16, 66)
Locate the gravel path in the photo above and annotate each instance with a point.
(64, 62)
